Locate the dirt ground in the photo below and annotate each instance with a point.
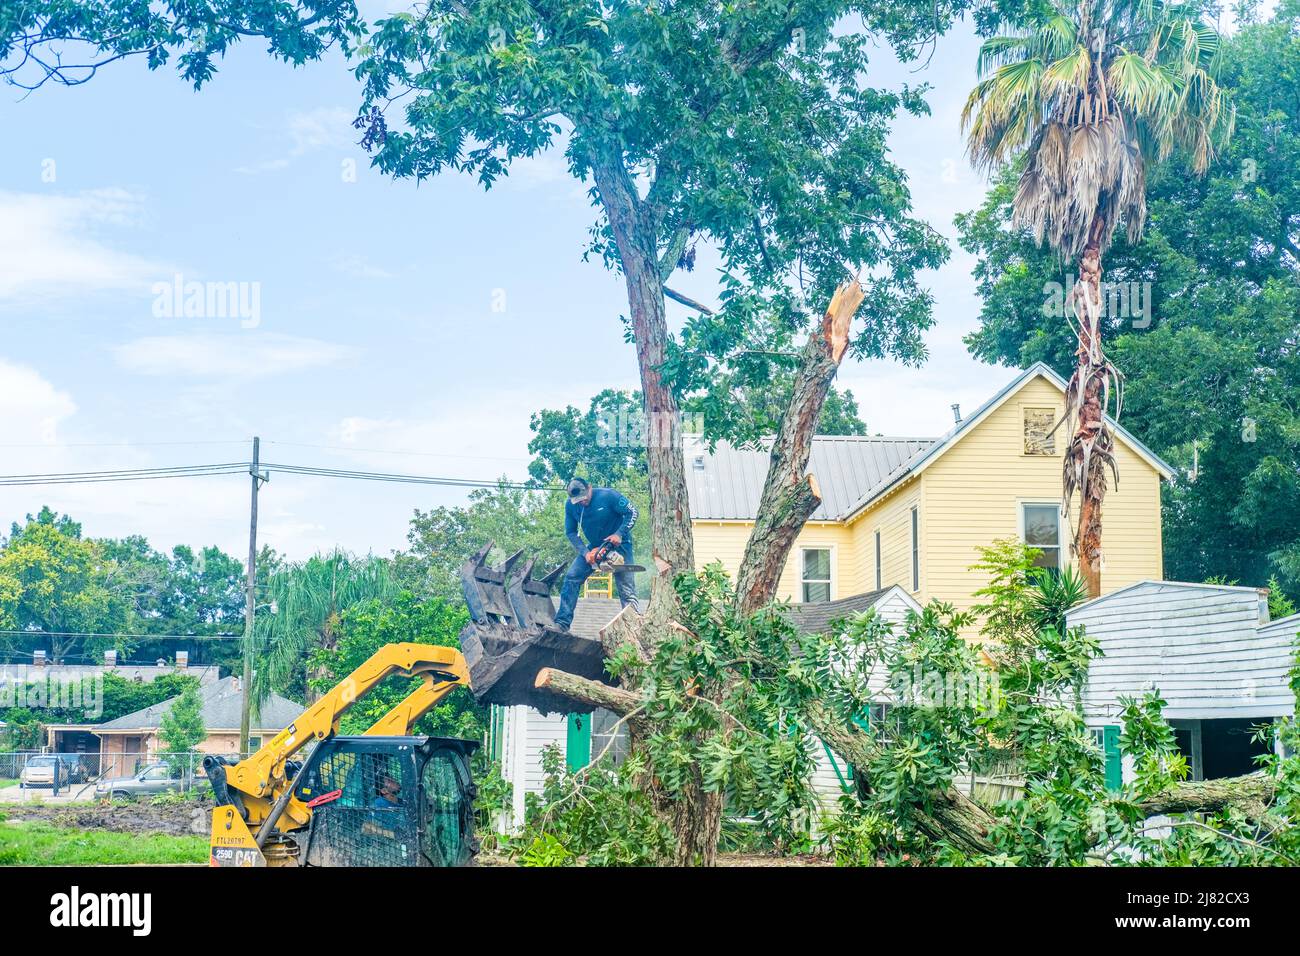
(178, 819)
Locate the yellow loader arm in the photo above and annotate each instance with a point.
(259, 783)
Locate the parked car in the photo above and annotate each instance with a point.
(39, 771)
(149, 780)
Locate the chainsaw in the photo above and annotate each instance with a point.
(606, 559)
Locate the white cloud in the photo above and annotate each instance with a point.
(30, 406)
(48, 246)
(359, 267)
(234, 355)
(308, 131)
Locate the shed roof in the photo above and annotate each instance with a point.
(221, 702)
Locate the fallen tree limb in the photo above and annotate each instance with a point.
(951, 816)
(1251, 793)
(591, 692)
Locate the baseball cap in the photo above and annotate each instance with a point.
(577, 489)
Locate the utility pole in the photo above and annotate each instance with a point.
(250, 604)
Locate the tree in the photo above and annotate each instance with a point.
(748, 127)
(68, 41)
(1210, 359)
(366, 627)
(182, 730)
(305, 601)
(1088, 96)
(62, 589)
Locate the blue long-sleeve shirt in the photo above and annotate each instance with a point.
(608, 513)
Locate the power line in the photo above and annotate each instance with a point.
(231, 468)
(132, 637)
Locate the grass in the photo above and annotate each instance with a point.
(39, 844)
(8, 783)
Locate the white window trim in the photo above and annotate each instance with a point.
(878, 555)
(914, 549)
(1062, 546)
(833, 579)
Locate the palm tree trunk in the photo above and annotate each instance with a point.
(1089, 445)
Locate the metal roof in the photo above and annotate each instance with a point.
(851, 470)
(726, 484)
(221, 705)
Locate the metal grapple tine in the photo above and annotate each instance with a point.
(549, 580)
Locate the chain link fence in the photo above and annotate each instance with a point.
(91, 775)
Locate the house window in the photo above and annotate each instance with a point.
(254, 744)
(816, 575)
(1041, 529)
(1040, 439)
(916, 553)
(879, 576)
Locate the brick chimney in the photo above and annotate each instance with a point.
(182, 660)
(38, 658)
(110, 658)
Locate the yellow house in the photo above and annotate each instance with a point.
(913, 511)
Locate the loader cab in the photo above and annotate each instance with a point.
(389, 801)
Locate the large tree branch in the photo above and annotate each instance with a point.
(789, 495)
(1250, 793)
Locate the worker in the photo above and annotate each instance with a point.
(390, 794)
(604, 516)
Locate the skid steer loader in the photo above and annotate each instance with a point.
(386, 797)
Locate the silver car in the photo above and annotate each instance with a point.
(39, 771)
(150, 779)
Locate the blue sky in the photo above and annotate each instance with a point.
(401, 328)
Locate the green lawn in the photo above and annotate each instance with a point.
(39, 844)
(8, 783)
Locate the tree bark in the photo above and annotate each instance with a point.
(694, 813)
(1086, 459)
(591, 692)
(1250, 792)
(790, 496)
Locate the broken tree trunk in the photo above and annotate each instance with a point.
(790, 495)
(1250, 793)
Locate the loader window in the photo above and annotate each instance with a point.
(372, 821)
(446, 812)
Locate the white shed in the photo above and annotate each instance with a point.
(518, 735)
(1209, 650)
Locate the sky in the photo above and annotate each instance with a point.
(386, 326)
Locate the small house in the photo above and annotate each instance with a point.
(1213, 655)
(132, 740)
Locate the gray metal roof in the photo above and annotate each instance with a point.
(851, 470)
(221, 705)
(727, 483)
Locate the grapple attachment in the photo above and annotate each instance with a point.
(512, 635)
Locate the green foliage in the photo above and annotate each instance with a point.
(363, 629)
(599, 815)
(68, 41)
(54, 581)
(182, 730)
(440, 540)
(306, 600)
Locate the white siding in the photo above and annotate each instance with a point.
(1201, 646)
(526, 733)
(892, 607)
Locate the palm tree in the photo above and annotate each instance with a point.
(307, 600)
(1087, 96)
